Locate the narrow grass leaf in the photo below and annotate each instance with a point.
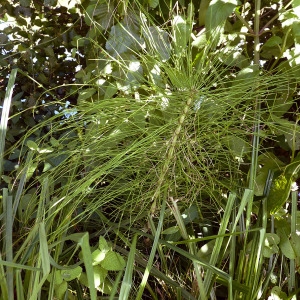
(19, 266)
(253, 269)
(127, 280)
(19, 285)
(216, 254)
(5, 114)
(192, 248)
(21, 183)
(3, 283)
(44, 251)
(153, 250)
(7, 209)
(115, 287)
(37, 285)
(292, 279)
(88, 263)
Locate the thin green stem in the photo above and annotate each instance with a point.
(244, 22)
(255, 141)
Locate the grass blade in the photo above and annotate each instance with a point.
(5, 114)
(219, 241)
(7, 200)
(192, 249)
(44, 251)
(127, 280)
(153, 250)
(88, 263)
(19, 286)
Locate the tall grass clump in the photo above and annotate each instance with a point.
(166, 134)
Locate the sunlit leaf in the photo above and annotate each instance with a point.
(279, 193)
(122, 39)
(71, 274)
(32, 145)
(86, 93)
(113, 262)
(99, 275)
(271, 244)
(158, 42)
(218, 11)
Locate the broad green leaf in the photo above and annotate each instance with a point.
(218, 11)
(206, 250)
(54, 142)
(103, 245)
(283, 231)
(296, 7)
(267, 161)
(280, 104)
(131, 76)
(271, 244)
(190, 214)
(297, 221)
(25, 207)
(99, 275)
(200, 41)
(278, 294)
(98, 256)
(181, 33)
(100, 15)
(202, 11)
(42, 78)
(246, 74)
(155, 75)
(71, 274)
(153, 3)
(78, 41)
(170, 230)
(123, 39)
(58, 277)
(279, 193)
(105, 287)
(110, 91)
(45, 150)
(25, 3)
(67, 3)
(80, 74)
(49, 52)
(273, 41)
(32, 145)
(86, 93)
(61, 289)
(3, 38)
(296, 30)
(292, 136)
(237, 146)
(295, 242)
(113, 262)
(158, 42)
(286, 248)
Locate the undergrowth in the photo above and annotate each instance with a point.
(152, 172)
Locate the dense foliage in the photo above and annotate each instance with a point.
(151, 149)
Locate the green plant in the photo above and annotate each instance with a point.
(170, 121)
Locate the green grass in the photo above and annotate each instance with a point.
(149, 155)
